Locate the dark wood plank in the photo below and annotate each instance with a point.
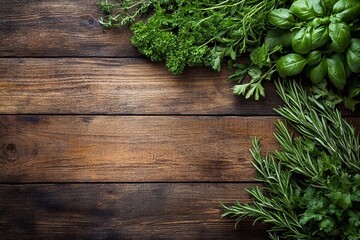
(122, 211)
(129, 148)
(119, 86)
(53, 28)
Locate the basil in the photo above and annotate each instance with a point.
(319, 21)
(301, 42)
(278, 37)
(336, 72)
(347, 10)
(314, 57)
(340, 36)
(319, 36)
(303, 9)
(273, 38)
(291, 64)
(330, 3)
(281, 18)
(353, 55)
(319, 7)
(318, 72)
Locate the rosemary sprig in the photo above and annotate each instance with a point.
(311, 186)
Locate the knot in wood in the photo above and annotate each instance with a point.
(16, 149)
(11, 148)
(9, 152)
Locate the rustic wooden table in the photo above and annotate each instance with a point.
(97, 142)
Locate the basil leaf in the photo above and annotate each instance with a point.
(273, 38)
(291, 64)
(319, 7)
(353, 55)
(336, 72)
(347, 10)
(318, 72)
(281, 18)
(303, 9)
(278, 37)
(329, 4)
(316, 22)
(301, 42)
(319, 36)
(340, 36)
(314, 57)
(286, 39)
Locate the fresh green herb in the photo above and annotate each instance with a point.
(311, 187)
(314, 38)
(199, 33)
(353, 55)
(326, 34)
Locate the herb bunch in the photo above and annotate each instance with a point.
(311, 187)
(317, 39)
(322, 42)
(197, 33)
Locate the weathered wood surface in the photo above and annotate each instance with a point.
(122, 211)
(130, 148)
(67, 88)
(58, 28)
(119, 86)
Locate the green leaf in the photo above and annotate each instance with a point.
(327, 225)
(351, 103)
(239, 73)
(291, 64)
(301, 42)
(353, 88)
(276, 38)
(273, 38)
(336, 72)
(314, 57)
(232, 54)
(318, 72)
(330, 4)
(319, 36)
(216, 63)
(319, 7)
(343, 200)
(240, 89)
(254, 72)
(282, 18)
(347, 10)
(354, 218)
(260, 56)
(316, 22)
(353, 55)
(303, 9)
(340, 36)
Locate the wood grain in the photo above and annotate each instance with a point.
(122, 211)
(53, 28)
(119, 86)
(129, 148)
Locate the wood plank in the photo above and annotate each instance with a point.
(53, 28)
(129, 148)
(122, 211)
(119, 86)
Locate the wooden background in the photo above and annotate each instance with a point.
(97, 142)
